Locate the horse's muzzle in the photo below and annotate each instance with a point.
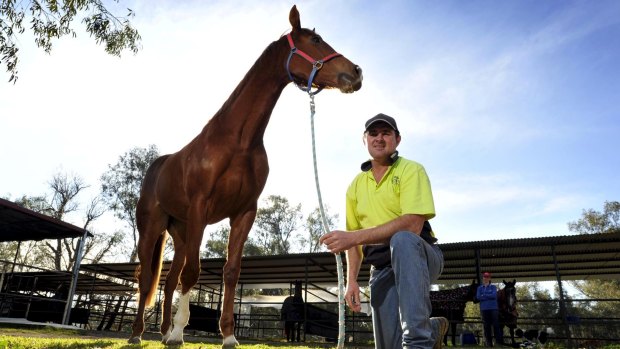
(349, 83)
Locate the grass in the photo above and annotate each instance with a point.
(51, 338)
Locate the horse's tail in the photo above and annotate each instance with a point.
(156, 258)
(156, 263)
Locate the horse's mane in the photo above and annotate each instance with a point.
(266, 55)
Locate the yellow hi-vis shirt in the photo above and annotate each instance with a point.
(404, 189)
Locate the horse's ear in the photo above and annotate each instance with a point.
(293, 17)
(514, 281)
(504, 281)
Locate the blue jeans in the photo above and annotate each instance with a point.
(400, 294)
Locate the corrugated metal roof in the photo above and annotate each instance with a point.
(578, 257)
(21, 224)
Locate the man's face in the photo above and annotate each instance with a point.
(381, 140)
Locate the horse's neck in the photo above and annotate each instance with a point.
(246, 113)
(298, 291)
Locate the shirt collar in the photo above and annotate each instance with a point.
(367, 165)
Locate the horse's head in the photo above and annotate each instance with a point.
(471, 291)
(312, 62)
(510, 292)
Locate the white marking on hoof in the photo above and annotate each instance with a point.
(134, 340)
(174, 341)
(180, 320)
(176, 337)
(164, 338)
(229, 342)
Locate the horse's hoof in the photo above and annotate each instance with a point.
(174, 342)
(230, 342)
(134, 340)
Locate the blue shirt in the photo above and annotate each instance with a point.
(487, 295)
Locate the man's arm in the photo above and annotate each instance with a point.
(338, 241)
(354, 262)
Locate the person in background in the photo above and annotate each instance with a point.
(489, 311)
(388, 206)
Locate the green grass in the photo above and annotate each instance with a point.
(51, 338)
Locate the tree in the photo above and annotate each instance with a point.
(275, 225)
(51, 19)
(121, 184)
(62, 253)
(594, 222)
(535, 303)
(314, 229)
(217, 244)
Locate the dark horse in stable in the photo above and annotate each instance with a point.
(451, 305)
(507, 304)
(293, 314)
(220, 174)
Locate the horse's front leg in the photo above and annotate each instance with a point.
(239, 229)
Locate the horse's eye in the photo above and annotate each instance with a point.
(316, 39)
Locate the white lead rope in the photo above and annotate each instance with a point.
(341, 316)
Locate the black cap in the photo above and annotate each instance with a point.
(383, 118)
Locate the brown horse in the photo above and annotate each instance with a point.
(220, 174)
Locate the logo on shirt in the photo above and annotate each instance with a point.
(395, 181)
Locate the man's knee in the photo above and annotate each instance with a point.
(403, 238)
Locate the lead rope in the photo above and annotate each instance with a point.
(341, 317)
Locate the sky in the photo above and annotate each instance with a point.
(511, 106)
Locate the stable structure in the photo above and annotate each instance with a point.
(555, 258)
(21, 224)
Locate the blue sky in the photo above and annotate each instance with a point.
(512, 106)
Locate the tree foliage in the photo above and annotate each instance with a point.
(314, 230)
(51, 19)
(217, 244)
(594, 222)
(275, 224)
(535, 302)
(277, 230)
(121, 184)
(61, 254)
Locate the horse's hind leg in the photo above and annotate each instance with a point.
(189, 277)
(138, 324)
(151, 228)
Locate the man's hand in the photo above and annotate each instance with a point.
(338, 241)
(352, 297)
